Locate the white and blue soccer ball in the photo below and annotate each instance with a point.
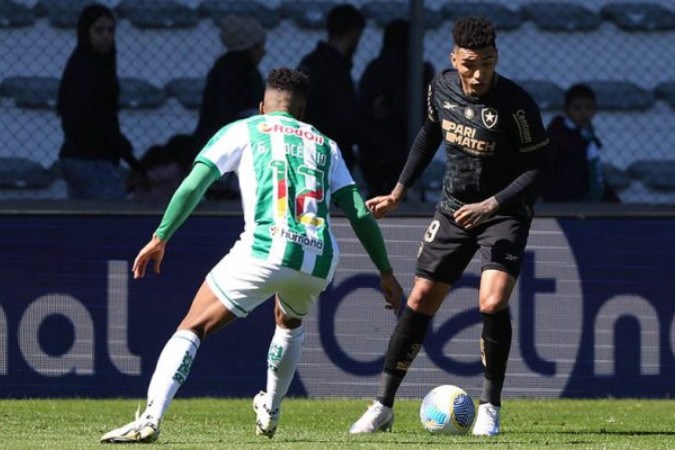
(447, 409)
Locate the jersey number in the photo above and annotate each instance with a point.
(302, 215)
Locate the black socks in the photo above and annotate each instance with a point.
(495, 346)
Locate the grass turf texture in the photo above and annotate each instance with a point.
(209, 423)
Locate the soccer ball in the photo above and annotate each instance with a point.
(447, 409)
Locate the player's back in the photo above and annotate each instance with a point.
(287, 171)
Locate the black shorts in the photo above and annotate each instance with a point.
(446, 248)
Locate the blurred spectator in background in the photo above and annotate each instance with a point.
(234, 85)
(88, 104)
(574, 171)
(383, 111)
(331, 105)
(163, 169)
(234, 89)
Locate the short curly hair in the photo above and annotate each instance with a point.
(289, 80)
(474, 33)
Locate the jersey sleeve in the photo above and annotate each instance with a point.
(432, 112)
(529, 129)
(340, 175)
(225, 148)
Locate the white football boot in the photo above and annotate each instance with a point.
(266, 420)
(487, 420)
(376, 418)
(144, 429)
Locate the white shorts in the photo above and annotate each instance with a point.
(243, 283)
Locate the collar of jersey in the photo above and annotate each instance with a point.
(280, 113)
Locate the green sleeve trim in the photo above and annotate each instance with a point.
(186, 198)
(366, 228)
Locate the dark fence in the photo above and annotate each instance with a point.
(165, 48)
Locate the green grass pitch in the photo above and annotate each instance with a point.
(212, 423)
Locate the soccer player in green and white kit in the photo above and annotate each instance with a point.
(289, 173)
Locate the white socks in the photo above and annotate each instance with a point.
(173, 367)
(282, 360)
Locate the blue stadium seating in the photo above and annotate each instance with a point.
(31, 92)
(307, 14)
(22, 173)
(639, 16)
(158, 14)
(617, 178)
(503, 17)
(561, 16)
(217, 9)
(655, 174)
(621, 96)
(61, 13)
(548, 95)
(383, 12)
(188, 91)
(136, 93)
(15, 15)
(666, 91)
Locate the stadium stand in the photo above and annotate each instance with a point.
(15, 15)
(167, 46)
(655, 174)
(31, 92)
(639, 16)
(562, 16)
(216, 9)
(504, 18)
(383, 12)
(158, 14)
(188, 91)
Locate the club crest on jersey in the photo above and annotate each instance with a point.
(489, 116)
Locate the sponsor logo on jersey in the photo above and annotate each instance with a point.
(465, 137)
(469, 113)
(523, 126)
(489, 116)
(304, 133)
(448, 105)
(309, 244)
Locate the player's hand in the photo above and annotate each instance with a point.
(153, 251)
(473, 214)
(380, 206)
(393, 292)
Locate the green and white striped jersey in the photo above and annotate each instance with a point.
(287, 172)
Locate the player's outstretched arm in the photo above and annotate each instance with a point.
(368, 232)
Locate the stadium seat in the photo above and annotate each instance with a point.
(188, 91)
(655, 174)
(136, 93)
(621, 96)
(31, 92)
(639, 16)
(548, 95)
(666, 91)
(61, 13)
(22, 173)
(307, 14)
(158, 14)
(217, 9)
(503, 17)
(383, 12)
(561, 16)
(616, 178)
(14, 15)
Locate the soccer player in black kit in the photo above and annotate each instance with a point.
(495, 144)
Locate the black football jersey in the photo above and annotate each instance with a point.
(489, 141)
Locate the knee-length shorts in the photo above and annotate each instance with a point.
(242, 283)
(447, 248)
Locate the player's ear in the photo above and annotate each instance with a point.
(453, 58)
(261, 108)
